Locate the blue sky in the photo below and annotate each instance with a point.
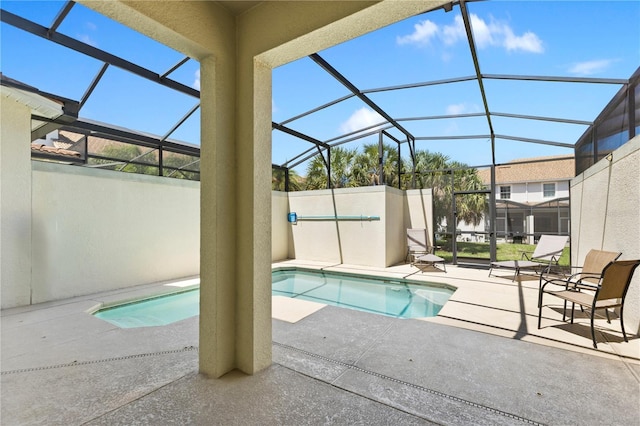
(541, 38)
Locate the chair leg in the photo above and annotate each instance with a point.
(564, 311)
(573, 306)
(606, 311)
(622, 324)
(593, 331)
(539, 309)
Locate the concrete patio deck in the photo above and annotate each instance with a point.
(481, 361)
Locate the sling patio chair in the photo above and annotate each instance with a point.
(590, 272)
(417, 243)
(610, 292)
(547, 253)
(419, 250)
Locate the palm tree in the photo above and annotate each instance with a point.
(437, 171)
(430, 168)
(341, 164)
(278, 180)
(470, 207)
(366, 170)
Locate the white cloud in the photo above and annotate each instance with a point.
(485, 34)
(456, 109)
(361, 118)
(590, 67)
(196, 82)
(450, 34)
(501, 34)
(528, 42)
(85, 38)
(462, 108)
(422, 34)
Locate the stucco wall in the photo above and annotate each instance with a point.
(605, 206)
(339, 241)
(15, 205)
(356, 242)
(396, 227)
(279, 226)
(96, 230)
(378, 243)
(419, 211)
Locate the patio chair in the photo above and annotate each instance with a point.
(590, 272)
(417, 243)
(547, 253)
(419, 251)
(610, 292)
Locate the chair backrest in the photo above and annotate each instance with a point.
(550, 247)
(595, 262)
(616, 278)
(417, 239)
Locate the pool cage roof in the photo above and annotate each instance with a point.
(393, 124)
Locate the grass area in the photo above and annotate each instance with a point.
(505, 251)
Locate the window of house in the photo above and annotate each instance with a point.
(505, 192)
(548, 190)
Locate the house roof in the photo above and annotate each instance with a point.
(44, 149)
(539, 169)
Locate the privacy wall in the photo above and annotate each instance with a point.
(357, 226)
(96, 230)
(605, 206)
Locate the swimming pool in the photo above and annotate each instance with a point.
(395, 298)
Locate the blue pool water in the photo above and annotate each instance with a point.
(395, 298)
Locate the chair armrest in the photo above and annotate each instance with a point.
(573, 282)
(558, 282)
(586, 286)
(525, 255)
(580, 284)
(575, 277)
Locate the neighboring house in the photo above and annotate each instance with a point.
(532, 197)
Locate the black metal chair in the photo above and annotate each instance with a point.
(610, 292)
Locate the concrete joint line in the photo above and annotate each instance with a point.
(421, 388)
(98, 361)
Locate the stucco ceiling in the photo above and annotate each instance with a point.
(238, 7)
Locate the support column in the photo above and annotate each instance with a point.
(235, 271)
(218, 257)
(529, 229)
(253, 175)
